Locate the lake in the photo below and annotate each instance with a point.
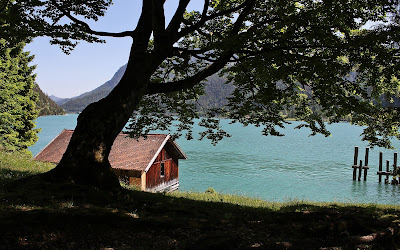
(293, 167)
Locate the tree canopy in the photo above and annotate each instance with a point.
(342, 56)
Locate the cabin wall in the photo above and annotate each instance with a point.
(131, 177)
(153, 176)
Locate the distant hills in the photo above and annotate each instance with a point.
(58, 100)
(46, 105)
(78, 103)
(216, 93)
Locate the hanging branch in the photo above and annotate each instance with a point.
(86, 26)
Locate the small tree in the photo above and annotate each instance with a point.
(277, 54)
(17, 98)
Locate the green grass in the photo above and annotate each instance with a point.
(15, 166)
(37, 214)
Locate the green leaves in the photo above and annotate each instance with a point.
(312, 59)
(319, 60)
(24, 19)
(17, 98)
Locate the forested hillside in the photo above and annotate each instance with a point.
(45, 105)
(216, 93)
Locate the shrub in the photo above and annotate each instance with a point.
(211, 190)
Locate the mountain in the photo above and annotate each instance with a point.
(78, 103)
(59, 100)
(216, 93)
(45, 104)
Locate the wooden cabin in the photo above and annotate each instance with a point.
(149, 163)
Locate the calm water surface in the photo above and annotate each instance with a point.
(293, 167)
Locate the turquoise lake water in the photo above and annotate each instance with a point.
(293, 167)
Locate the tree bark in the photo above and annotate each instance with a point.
(86, 158)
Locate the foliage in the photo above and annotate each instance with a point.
(309, 57)
(278, 55)
(38, 18)
(210, 190)
(45, 105)
(17, 98)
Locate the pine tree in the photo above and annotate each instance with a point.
(17, 98)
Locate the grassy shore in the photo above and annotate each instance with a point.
(35, 214)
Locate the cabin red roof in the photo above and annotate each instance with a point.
(126, 153)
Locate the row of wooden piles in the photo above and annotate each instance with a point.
(359, 168)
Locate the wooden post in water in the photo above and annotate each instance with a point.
(366, 164)
(355, 155)
(380, 166)
(387, 172)
(395, 167)
(355, 163)
(359, 171)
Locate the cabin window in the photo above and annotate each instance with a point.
(162, 169)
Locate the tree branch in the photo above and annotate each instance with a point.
(241, 18)
(158, 19)
(211, 69)
(191, 51)
(204, 58)
(176, 20)
(143, 32)
(86, 26)
(217, 64)
(206, 18)
(154, 88)
(249, 53)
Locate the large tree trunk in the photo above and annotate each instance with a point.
(86, 158)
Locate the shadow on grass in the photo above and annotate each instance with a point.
(10, 175)
(37, 214)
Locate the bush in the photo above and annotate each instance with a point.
(211, 190)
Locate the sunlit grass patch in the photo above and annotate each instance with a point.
(15, 166)
(212, 196)
(25, 207)
(289, 206)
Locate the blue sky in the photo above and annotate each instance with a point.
(91, 65)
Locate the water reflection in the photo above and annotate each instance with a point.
(359, 188)
(387, 191)
(382, 189)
